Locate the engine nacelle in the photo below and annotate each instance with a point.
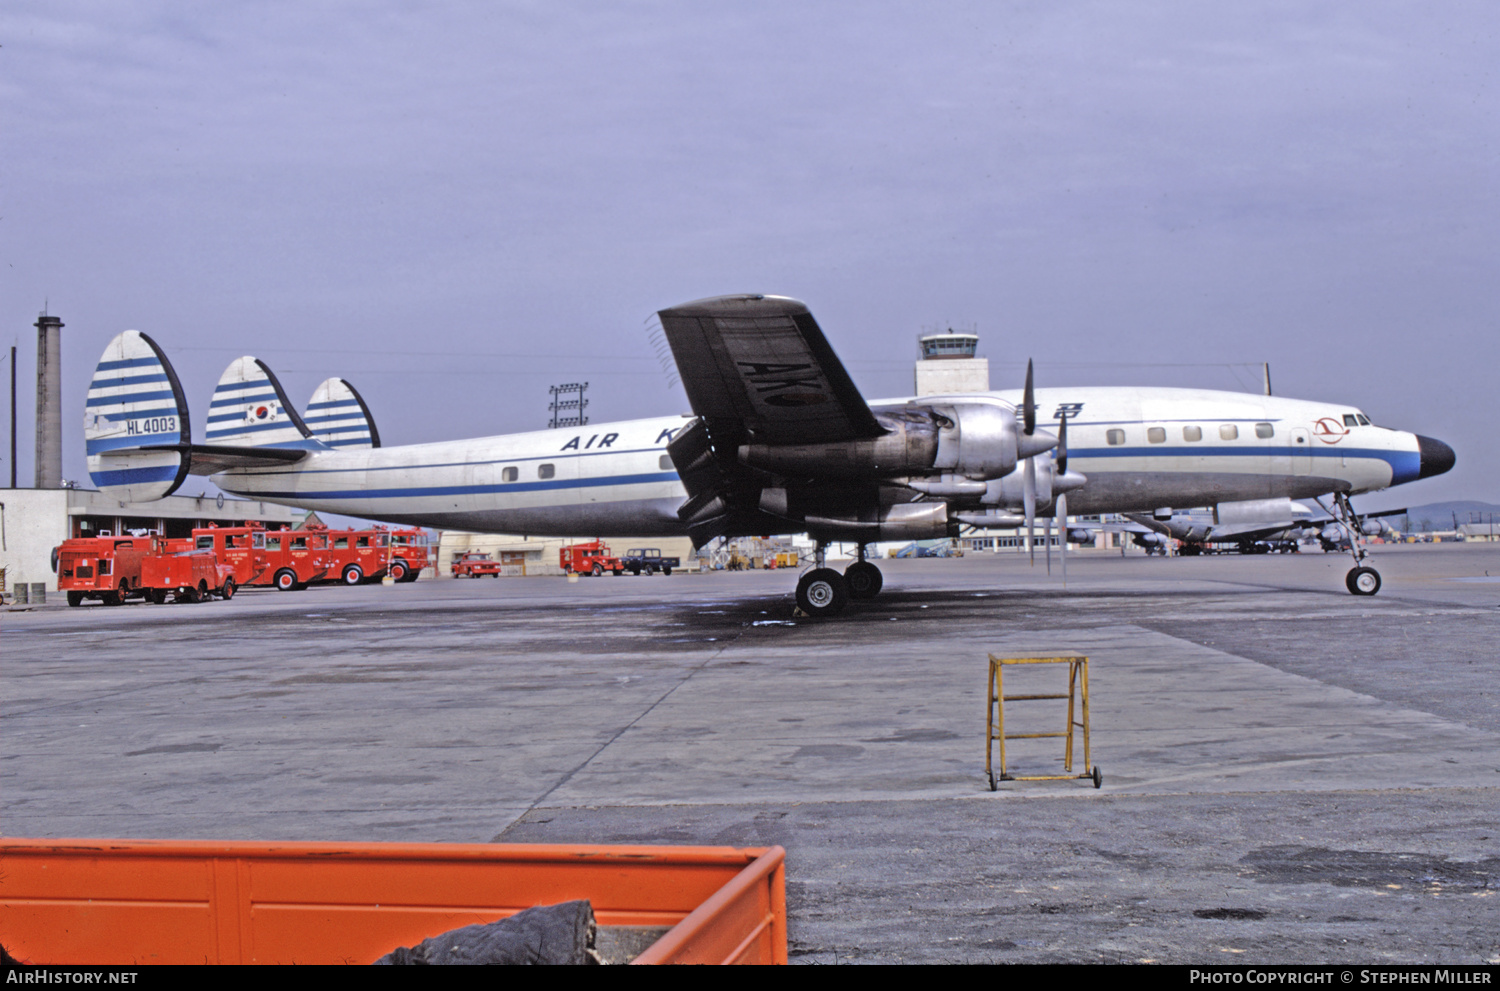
(978, 441)
(908, 447)
(903, 521)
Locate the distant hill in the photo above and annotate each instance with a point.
(1439, 515)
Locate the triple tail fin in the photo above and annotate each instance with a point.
(338, 416)
(136, 431)
(135, 424)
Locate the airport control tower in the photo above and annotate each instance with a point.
(948, 364)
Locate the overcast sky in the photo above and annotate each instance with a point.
(456, 205)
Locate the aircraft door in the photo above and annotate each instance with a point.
(1301, 452)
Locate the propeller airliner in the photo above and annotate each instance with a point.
(780, 441)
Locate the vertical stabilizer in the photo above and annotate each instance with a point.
(250, 409)
(337, 416)
(135, 402)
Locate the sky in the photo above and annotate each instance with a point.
(456, 205)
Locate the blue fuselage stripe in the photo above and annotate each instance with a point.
(451, 490)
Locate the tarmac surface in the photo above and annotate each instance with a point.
(1291, 773)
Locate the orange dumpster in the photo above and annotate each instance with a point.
(192, 902)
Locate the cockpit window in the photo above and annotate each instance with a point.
(1350, 421)
(1364, 421)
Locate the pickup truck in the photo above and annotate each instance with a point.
(648, 561)
(474, 564)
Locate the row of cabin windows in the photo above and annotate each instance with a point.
(1158, 435)
(550, 470)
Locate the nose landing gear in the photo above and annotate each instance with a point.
(1361, 579)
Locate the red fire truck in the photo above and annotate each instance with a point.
(408, 554)
(174, 566)
(283, 559)
(359, 556)
(105, 567)
(475, 564)
(592, 558)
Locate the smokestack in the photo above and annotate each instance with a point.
(48, 402)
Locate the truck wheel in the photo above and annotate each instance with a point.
(187, 594)
(203, 593)
(158, 596)
(598, 571)
(635, 569)
(228, 590)
(75, 598)
(285, 580)
(398, 570)
(667, 570)
(352, 575)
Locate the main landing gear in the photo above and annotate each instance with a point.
(823, 592)
(1361, 579)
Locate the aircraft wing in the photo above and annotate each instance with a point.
(759, 367)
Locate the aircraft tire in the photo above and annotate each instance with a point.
(864, 579)
(352, 575)
(1363, 581)
(286, 580)
(822, 592)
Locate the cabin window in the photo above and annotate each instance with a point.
(1115, 437)
(1264, 430)
(205, 543)
(235, 540)
(106, 566)
(1156, 435)
(1350, 421)
(1192, 433)
(273, 543)
(258, 540)
(300, 543)
(546, 471)
(340, 543)
(1229, 432)
(1364, 421)
(361, 541)
(510, 474)
(382, 540)
(665, 463)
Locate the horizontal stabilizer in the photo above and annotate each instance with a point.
(135, 423)
(250, 409)
(337, 416)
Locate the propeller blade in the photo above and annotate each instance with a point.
(1062, 516)
(1047, 536)
(1028, 403)
(1028, 497)
(1060, 455)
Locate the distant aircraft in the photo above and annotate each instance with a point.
(780, 441)
(1253, 527)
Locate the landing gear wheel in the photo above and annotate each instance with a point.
(227, 592)
(398, 570)
(352, 575)
(822, 592)
(1363, 581)
(864, 579)
(286, 580)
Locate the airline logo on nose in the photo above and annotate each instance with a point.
(1329, 431)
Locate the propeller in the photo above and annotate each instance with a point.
(1028, 403)
(1028, 424)
(1060, 455)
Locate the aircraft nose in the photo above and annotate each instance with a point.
(1437, 457)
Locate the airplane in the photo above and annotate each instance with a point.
(1253, 527)
(779, 441)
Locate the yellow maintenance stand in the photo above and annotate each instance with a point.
(1078, 690)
